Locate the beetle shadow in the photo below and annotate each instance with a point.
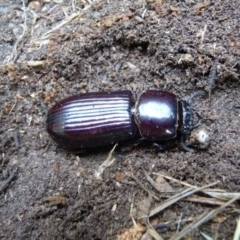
(127, 146)
(130, 145)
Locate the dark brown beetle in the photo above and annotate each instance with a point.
(102, 118)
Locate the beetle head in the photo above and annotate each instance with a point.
(185, 117)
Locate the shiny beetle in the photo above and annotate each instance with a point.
(102, 118)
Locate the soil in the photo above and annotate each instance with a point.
(54, 49)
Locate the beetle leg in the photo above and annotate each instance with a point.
(131, 144)
(78, 152)
(199, 92)
(160, 147)
(184, 146)
(139, 141)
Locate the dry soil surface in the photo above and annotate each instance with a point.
(54, 49)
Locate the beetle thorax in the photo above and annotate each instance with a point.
(156, 115)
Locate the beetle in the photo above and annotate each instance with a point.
(98, 119)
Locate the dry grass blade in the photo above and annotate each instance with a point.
(175, 180)
(65, 21)
(222, 196)
(178, 197)
(215, 193)
(204, 200)
(160, 187)
(154, 234)
(202, 219)
(206, 236)
(237, 231)
(171, 201)
(151, 231)
(151, 181)
(108, 162)
(142, 186)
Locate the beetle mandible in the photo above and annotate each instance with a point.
(102, 118)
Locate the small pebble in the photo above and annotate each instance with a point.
(201, 136)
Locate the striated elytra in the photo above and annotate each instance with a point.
(103, 118)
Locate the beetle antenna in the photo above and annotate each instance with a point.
(199, 92)
(184, 146)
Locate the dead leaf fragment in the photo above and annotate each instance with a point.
(162, 185)
(144, 207)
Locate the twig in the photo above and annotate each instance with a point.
(8, 181)
(15, 137)
(212, 76)
(179, 222)
(14, 105)
(170, 223)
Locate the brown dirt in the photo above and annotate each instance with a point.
(133, 45)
